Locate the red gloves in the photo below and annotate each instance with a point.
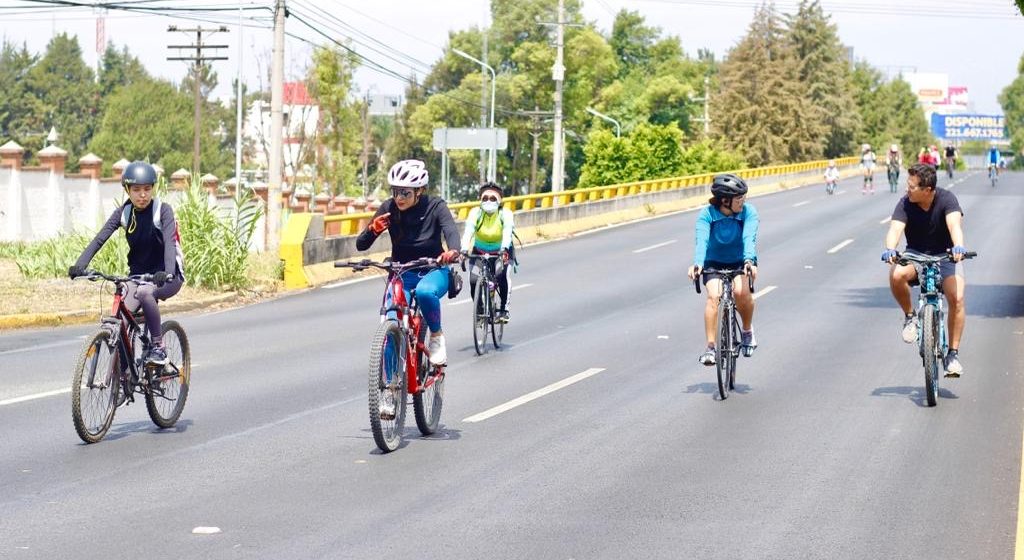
(448, 257)
(380, 223)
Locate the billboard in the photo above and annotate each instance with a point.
(969, 127)
(929, 88)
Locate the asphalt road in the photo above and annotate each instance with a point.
(825, 450)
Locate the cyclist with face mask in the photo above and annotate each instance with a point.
(489, 231)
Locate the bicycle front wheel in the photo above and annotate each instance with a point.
(930, 353)
(387, 386)
(723, 350)
(481, 315)
(94, 388)
(497, 327)
(427, 403)
(168, 385)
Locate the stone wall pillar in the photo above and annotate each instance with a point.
(91, 165)
(55, 159)
(10, 165)
(180, 179)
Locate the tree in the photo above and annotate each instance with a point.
(17, 106)
(68, 97)
(631, 40)
(760, 109)
(1012, 101)
(330, 83)
(826, 77)
(119, 68)
(136, 127)
(889, 111)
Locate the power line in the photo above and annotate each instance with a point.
(959, 10)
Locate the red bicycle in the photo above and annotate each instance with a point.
(399, 359)
(111, 368)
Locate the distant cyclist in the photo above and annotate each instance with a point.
(417, 224)
(831, 176)
(489, 232)
(951, 157)
(893, 163)
(154, 247)
(726, 238)
(867, 167)
(994, 159)
(931, 218)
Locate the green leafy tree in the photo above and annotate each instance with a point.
(760, 109)
(632, 41)
(119, 68)
(68, 97)
(889, 111)
(825, 74)
(330, 83)
(18, 108)
(607, 160)
(1012, 101)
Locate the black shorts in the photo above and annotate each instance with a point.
(719, 266)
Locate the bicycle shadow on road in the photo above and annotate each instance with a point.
(915, 394)
(411, 435)
(118, 431)
(711, 388)
(983, 300)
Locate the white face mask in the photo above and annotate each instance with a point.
(490, 206)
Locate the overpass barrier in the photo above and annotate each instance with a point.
(313, 238)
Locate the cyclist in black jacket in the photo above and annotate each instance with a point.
(416, 223)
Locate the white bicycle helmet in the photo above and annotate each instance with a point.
(408, 173)
(894, 148)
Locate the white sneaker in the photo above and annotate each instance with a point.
(438, 353)
(910, 329)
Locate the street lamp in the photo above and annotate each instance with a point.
(596, 113)
(491, 161)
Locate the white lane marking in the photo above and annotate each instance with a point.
(798, 204)
(764, 290)
(887, 220)
(45, 346)
(809, 266)
(840, 246)
(512, 289)
(17, 400)
(344, 283)
(655, 246)
(532, 396)
(206, 530)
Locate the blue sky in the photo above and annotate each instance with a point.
(977, 42)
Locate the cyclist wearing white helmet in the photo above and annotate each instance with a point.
(893, 163)
(726, 238)
(867, 166)
(420, 222)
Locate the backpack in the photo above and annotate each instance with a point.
(179, 256)
(515, 237)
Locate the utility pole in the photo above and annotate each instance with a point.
(366, 142)
(706, 120)
(558, 73)
(483, 107)
(535, 116)
(197, 60)
(276, 134)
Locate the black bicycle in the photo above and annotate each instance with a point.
(111, 369)
(728, 343)
(932, 338)
(486, 301)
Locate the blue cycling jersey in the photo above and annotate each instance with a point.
(726, 239)
(993, 156)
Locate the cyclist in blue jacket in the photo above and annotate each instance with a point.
(727, 239)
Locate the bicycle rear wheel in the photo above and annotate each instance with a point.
(930, 353)
(497, 327)
(427, 403)
(387, 386)
(168, 385)
(94, 388)
(481, 315)
(723, 350)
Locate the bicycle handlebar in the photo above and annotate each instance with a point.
(95, 275)
(730, 272)
(909, 257)
(390, 266)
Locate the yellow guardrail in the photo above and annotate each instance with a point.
(351, 224)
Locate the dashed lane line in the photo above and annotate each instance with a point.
(764, 290)
(25, 398)
(886, 220)
(655, 246)
(491, 412)
(837, 248)
(798, 204)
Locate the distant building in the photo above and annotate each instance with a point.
(301, 117)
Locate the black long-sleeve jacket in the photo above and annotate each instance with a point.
(417, 232)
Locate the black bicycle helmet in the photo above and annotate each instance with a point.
(728, 185)
(490, 186)
(138, 173)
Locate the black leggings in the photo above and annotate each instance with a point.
(146, 296)
(500, 277)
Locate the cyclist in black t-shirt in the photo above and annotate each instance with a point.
(951, 155)
(931, 219)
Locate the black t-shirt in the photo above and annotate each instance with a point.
(950, 151)
(927, 231)
(417, 232)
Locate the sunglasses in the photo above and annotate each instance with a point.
(489, 198)
(401, 193)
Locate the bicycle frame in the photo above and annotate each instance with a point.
(930, 293)
(396, 307)
(122, 326)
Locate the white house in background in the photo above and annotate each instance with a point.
(301, 117)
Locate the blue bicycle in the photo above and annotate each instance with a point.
(932, 339)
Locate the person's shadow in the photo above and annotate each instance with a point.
(915, 394)
(710, 388)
